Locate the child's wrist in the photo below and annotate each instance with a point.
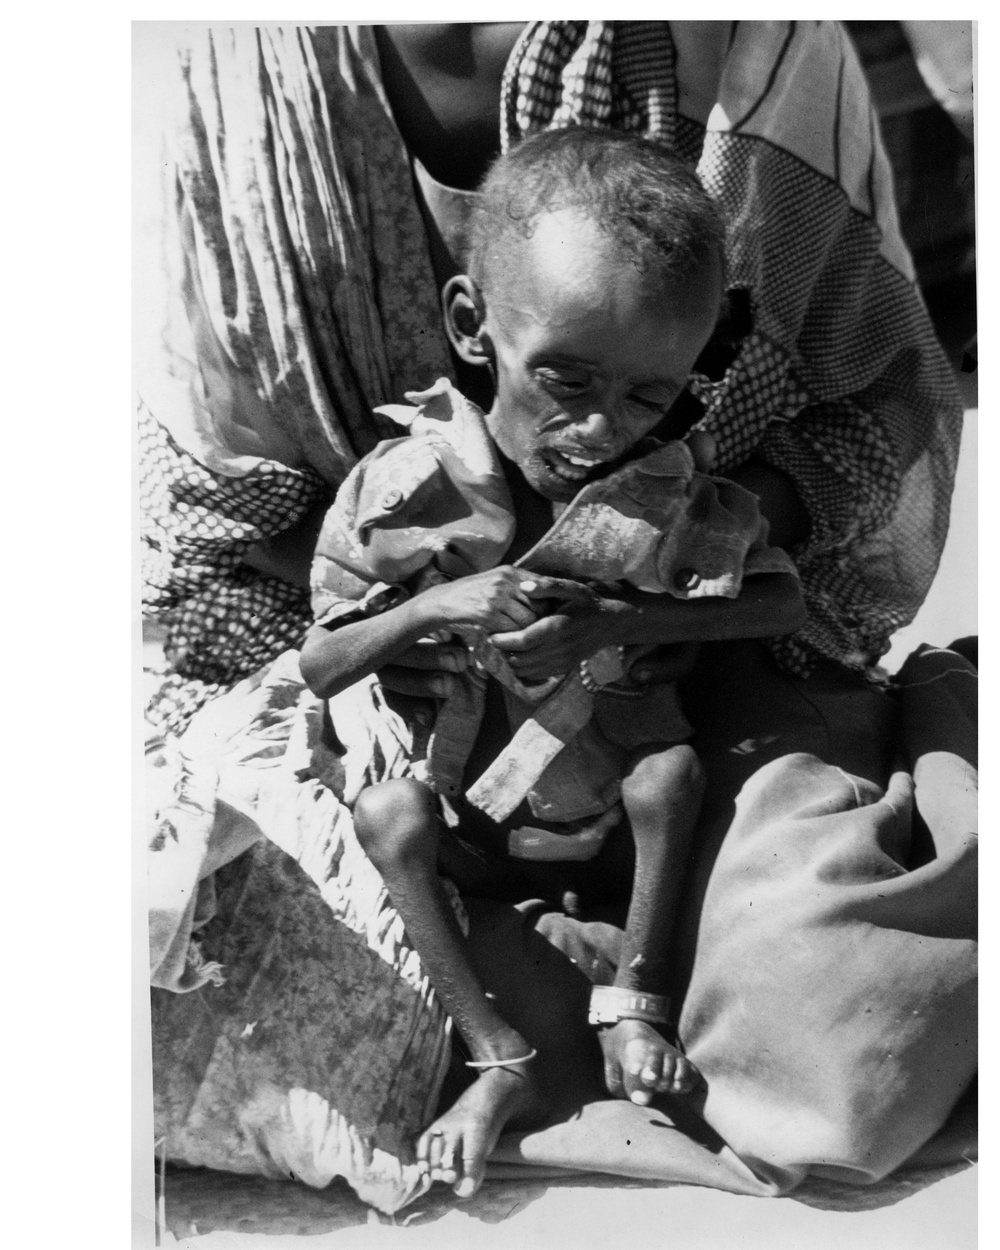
(422, 619)
(612, 621)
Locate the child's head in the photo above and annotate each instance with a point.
(595, 274)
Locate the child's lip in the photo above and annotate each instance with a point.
(574, 464)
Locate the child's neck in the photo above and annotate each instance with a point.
(535, 514)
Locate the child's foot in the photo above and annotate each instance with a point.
(638, 1063)
(456, 1146)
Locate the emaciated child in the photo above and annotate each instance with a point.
(595, 279)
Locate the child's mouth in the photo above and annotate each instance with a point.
(570, 466)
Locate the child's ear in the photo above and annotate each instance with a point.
(464, 318)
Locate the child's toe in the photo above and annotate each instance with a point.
(685, 1075)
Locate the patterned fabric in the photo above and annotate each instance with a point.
(614, 74)
(294, 1029)
(223, 619)
(842, 384)
(301, 296)
(320, 1051)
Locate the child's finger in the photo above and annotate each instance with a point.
(512, 640)
(538, 586)
(517, 615)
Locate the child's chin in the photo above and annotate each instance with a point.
(547, 483)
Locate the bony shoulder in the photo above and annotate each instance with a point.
(436, 494)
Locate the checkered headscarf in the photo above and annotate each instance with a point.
(617, 75)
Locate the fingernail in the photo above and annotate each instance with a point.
(640, 1097)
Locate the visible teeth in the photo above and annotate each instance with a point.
(584, 464)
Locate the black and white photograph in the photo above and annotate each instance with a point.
(556, 534)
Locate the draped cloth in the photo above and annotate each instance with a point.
(300, 295)
(825, 957)
(828, 936)
(841, 383)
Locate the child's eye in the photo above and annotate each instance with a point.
(562, 379)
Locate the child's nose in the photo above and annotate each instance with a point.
(599, 428)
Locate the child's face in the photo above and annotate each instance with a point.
(588, 356)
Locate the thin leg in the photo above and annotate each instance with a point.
(662, 795)
(397, 825)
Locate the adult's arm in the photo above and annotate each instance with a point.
(288, 556)
(779, 501)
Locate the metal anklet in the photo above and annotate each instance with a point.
(500, 1063)
(611, 1003)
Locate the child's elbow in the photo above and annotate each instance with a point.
(310, 674)
(315, 670)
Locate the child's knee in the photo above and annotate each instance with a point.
(687, 770)
(395, 821)
(663, 779)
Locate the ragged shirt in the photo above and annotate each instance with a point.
(435, 504)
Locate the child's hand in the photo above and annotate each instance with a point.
(490, 602)
(426, 669)
(561, 639)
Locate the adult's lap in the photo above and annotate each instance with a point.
(827, 959)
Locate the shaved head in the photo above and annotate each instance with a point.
(650, 205)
